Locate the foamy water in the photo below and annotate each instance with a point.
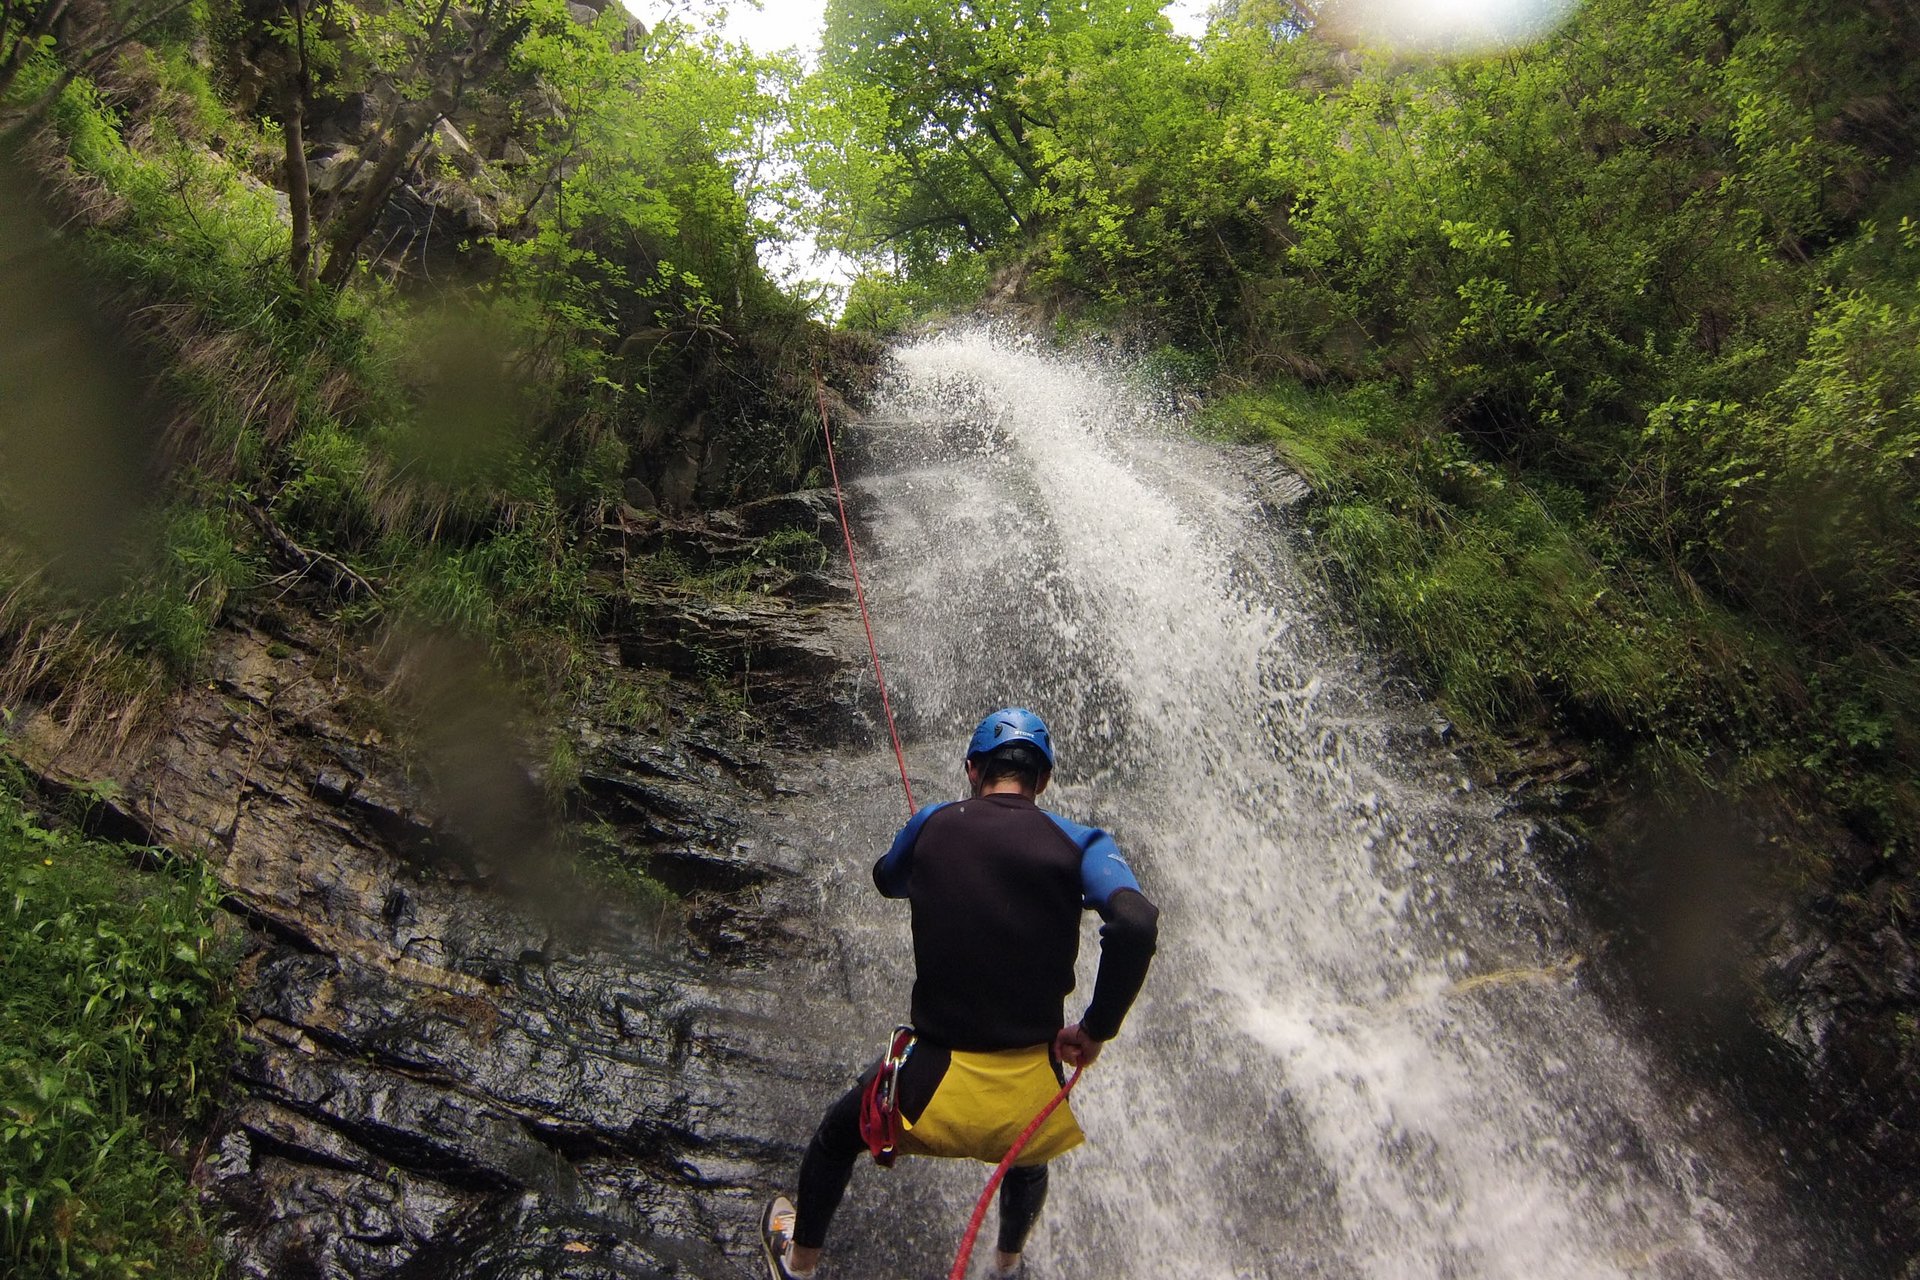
(1365, 1049)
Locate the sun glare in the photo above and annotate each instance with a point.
(1443, 26)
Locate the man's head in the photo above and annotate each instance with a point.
(1010, 750)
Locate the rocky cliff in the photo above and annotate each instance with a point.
(465, 1052)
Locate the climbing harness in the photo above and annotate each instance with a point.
(880, 1104)
(859, 593)
(1000, 1171)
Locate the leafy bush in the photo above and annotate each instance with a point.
(116, 1017)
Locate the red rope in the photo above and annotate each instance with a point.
(859, 592)
(1000, 1171)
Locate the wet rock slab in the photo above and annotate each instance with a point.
(458, 1066)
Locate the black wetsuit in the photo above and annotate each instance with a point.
(997, 885)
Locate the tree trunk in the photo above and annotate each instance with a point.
(299, 194)
(343, 242)
(293, 128)
(986, 175)
(1016, 150)
(488, 49)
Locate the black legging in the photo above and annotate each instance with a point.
(828, 1165)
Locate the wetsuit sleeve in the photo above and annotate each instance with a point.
(893, 874)
(1127, 943)
(1103, 872)
(1129, 935)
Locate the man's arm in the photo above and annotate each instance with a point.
(1127, 943)
(1128, 940)
(1128, 937)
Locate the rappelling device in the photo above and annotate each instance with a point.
(880, 1104)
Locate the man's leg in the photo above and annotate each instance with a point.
(824, 1173)
(1023, 1192)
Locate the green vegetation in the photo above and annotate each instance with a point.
(429, 429)
(116, 1018)
(606, 864)
(1602, 348)
(1516, 603)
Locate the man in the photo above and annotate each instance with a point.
(996, 886)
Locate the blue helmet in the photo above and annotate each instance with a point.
(1011, 724)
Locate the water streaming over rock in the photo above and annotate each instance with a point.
(1367, 1048)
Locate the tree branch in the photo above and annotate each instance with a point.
(293, 126)
(335, 574)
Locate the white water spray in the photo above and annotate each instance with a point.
(1364, 1050)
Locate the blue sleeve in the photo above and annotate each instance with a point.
(893, 873)
(1103, 872)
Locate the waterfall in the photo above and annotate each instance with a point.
(1368, 1047)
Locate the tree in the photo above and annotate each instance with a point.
(424, 56)
(297, 96)
(928, 114)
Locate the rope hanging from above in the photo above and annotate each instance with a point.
(859, 592)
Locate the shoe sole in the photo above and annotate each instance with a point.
(769, 1240)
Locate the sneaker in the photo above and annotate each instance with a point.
(776, 1233)
(1019, 1272)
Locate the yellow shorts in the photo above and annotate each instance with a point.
(984, 1102)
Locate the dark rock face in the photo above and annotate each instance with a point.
(1837, 988)
(1790, 998)
(763, 634)
(460, 1065)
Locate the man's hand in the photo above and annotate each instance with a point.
(1075, 1047)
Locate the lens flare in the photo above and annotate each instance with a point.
(1442, 26)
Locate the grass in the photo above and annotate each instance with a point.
(602, 860)
(109, 659)
(629, 701)
(116, 1017)
(1526, 613)
(759, 569)
(198, 562)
